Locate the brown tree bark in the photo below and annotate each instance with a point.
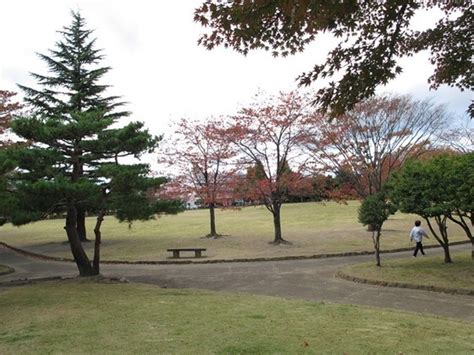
(376, 241)
(81, 225)
(98, 240)
(465, 226)
(447, 255)
(443, 240)
(212, 215)
(278, 239)
(80, 257)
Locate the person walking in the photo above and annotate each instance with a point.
(417, 233)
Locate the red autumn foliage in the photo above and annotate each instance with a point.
(368, 143)
(7, 109)
(267, 135)
(202, 160)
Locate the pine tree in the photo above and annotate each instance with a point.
(48, 179)
(8, 108)
(72, 85)
(74, 161)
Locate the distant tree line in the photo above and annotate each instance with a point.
(281, 149)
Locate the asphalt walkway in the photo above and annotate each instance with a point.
(311, 279)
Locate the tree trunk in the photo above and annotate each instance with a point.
(447, 255)
(81, 225)
(377, 248)
(80, 257)
(469, 233)
(277, 225)
(464, 225)
(376, 240)
(98, 235)
(212, 220)
(377, 257)
(443, 240)
(444, 233)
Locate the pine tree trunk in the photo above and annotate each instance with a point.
(98, 236)
(472, 250)
(80, 257)
(212, 215)
(81, 225)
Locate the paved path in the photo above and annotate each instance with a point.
(303, 279)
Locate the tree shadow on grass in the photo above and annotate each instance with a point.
(216, 236)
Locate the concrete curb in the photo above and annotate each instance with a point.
(26, 281)
(449, 290)
(215, 261)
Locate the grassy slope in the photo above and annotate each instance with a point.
(313, 228)
(430, 271)
(87, 317)
(4, 269)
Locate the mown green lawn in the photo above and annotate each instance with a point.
(428, 271)
(313, 228)
(89, 317)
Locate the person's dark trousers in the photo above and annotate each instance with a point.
(419, 247)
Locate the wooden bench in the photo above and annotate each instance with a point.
(197, 251)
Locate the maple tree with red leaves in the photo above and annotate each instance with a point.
(367, 144)
(202, 158)
(7, 108)
(267, 135)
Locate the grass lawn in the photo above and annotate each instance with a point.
(313, 228)
(91, 317)
(4, 269)
(428, 271)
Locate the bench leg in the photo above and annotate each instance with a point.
(197, 253)
(175, 253)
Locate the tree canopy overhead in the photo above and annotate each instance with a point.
(371, 36)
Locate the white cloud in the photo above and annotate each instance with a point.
(158, 67)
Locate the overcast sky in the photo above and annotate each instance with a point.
(159, 69)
